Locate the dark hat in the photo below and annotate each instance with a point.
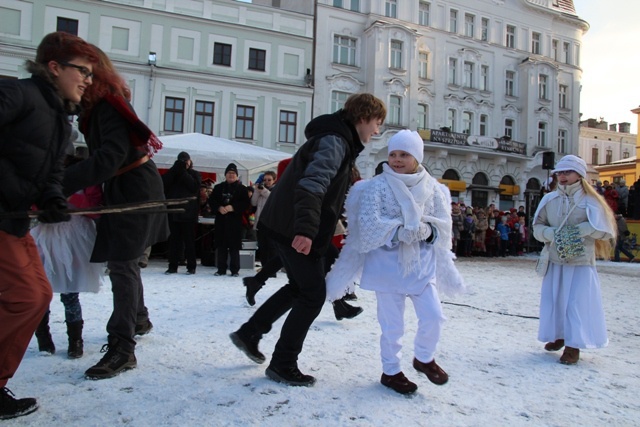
(184, 156)
(231, 168)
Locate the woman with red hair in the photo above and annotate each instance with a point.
(34, 133)
(120, 147)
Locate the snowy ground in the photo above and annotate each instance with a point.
(190, 374)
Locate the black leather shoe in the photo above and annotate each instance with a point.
(398, 383)
(248, 346)
(344, 310)
(290, 376)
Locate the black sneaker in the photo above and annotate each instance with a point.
(10, 407)
(350, 297)
(191, 271)
(171, 271)
(253, 285)
(144, 328)
(114, 362)
(218, 273)
(290, 376)
(344, 310)
(247, 346)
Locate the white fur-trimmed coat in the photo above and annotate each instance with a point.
(383, 216)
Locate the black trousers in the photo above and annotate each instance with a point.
(183, 236)
(128, 303)
(304, 295)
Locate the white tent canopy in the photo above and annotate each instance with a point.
(213, 154)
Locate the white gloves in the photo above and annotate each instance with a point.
(422, 233)
(548, 234)
(585, 229)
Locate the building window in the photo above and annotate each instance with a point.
(204, 117)
(467, 122)
(173, 114)
(453, 21)
(542, 134)
(257, 59)
(485, 29)
(245, 116)
(67, 25)
(609, 157)
(468, 74)
(222, 54)
(344, 50)
(562, 141)
(453, 65)
(423, 116)
(469, 24)
(543, 92)
(451, 119)
(594, 156)
(484, 77)
(391, 8)
(511, 36)
(484, 125)
(355, 5)
(337, 3)
(554, 49)
(509, 127)
(565, 52)
(424, 13)
(535, 43)
(338, 99)
(423, 65)
(395, 110)
(510, 83)
(396, 55)
(562, 96)
(625, 155)
(288, 121)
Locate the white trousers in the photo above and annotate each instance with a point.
(391, 318)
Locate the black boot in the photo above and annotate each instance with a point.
(343, 310)
(45, 342)
(74, 331)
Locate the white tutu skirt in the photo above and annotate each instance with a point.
(571, 307)
(65, 250)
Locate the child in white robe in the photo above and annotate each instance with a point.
(571, 312)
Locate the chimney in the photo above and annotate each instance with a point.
(613, 127)
(624, 127)
(602, 124)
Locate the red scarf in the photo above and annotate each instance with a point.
(140, 135)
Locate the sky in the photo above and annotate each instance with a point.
(610, 60)
(190, 374)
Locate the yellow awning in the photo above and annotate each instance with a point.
(509, 190)
(453, 184)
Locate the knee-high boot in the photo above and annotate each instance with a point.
(45, 342)
(76, 345)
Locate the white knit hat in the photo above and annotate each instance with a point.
(572, 163)
(409, 141)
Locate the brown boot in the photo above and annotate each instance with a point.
(398, 383)
(434, 372)
(554, 346)
(76, 345)
(570, 356)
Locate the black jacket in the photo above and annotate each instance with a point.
(34, 136)
(121, 237)
(180, 182)
(310, 194)
(237, 196)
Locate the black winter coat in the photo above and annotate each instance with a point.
(309, 197)
(34, 136)
(120, 237)
(237, 195)
(180, 182)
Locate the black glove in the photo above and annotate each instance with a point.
(53, 211)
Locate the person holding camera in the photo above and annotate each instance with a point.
(182, 181)
(266, 250)
(229, 200)
(623, 233)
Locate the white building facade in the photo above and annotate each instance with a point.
(219, 67)
(604, 144)
(489, 84)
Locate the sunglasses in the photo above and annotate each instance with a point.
(83, 70)
(565, 172)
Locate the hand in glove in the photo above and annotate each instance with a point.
(422, 233)
(52, 211)
(548, 234)
(585, 229)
